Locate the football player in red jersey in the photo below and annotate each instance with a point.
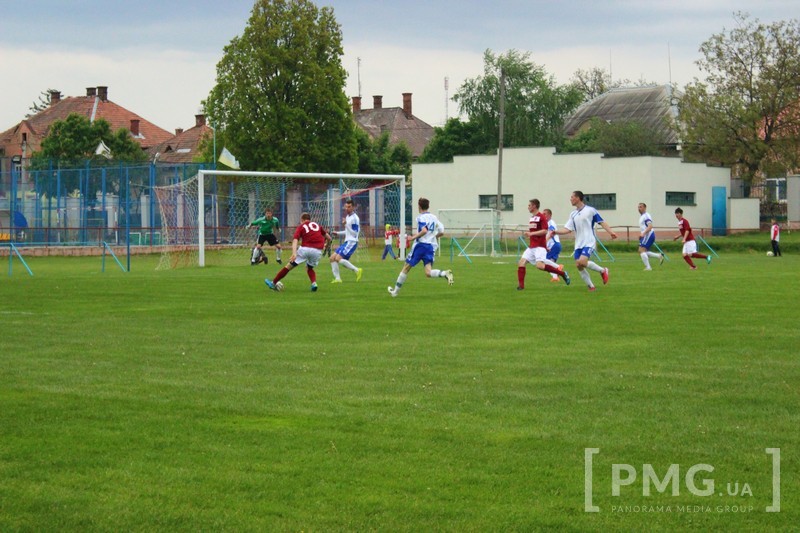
(536, 254)
(689, 244)
(313, 238)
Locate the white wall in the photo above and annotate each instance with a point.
(743, 213)
(550, 177)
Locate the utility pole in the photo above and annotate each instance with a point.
(500, 140)
(358, 68)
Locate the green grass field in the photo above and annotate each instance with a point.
(196, 399)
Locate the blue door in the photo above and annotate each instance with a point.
(719, 210)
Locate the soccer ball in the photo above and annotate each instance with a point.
(279, 286)
(770, 254)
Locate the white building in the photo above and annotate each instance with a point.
(615, 186)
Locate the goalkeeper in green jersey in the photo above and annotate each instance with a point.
(268, 226)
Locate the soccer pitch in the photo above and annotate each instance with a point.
(197, 399)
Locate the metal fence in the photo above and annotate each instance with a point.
(84, 205)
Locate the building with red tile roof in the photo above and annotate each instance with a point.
(399, 122)
(26, 137)
(184, 146)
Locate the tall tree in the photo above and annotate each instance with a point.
(746, 112)
(456, 138)
(596, 81)
(378, 156)
(279, 101)
(535, 106)
(40, 105)
(75, 139)
(615, 139)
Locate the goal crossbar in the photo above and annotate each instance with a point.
(400, 178)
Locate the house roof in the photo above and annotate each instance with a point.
(398, 122)
(183, 146)
(93, 107)
(653, 106)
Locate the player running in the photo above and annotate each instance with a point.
(689, 244)
(647, 238)
(536, 254)
(267, 226)
(427, 228)
(553, 243)
(344, 252)
(313, 239)
(582, 221)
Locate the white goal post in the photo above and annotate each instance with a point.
(346, 181)
(478, 231)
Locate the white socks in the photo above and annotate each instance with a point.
(586, 277)
(645, 260)
(348, 265)
(594, 266)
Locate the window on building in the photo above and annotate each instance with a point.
(604, 201)
(680, 198)
(489, 201)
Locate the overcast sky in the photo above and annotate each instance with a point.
(159, 58)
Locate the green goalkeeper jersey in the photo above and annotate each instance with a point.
(266, 226)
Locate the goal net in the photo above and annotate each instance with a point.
(205, 220)
(474, 232)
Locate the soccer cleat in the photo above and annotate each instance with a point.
(392, 292)
(554, 280)
(270, 284)
(253, 263)
(604, 275)
(278, 260)
(336, 280)
(646, 269)
(449, 276)
(692, 268)
(708, 259)
(358, 274)
(520, 288)
(567, 280)
(661, 259)
(561, 267)
(314, 287)
(592, 289)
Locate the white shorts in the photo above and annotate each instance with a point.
(689, 247)
(308, 255)
(534, 255)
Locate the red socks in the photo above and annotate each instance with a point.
(521, 276)
(281, 274)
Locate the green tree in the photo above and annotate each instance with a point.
(378, 156)
(72, 141)
(745, 113)
(535, 106)
(456, 138)
(615, 139)
(279, 101)
(42, 104)
(595, 81)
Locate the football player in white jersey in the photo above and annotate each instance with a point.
(581, 222)
(344, 252)
(647, 238)
(553, 242)
(427, 230)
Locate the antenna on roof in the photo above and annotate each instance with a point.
(446, 98)
(359, 75)
(669, 64)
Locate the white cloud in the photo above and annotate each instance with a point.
(165, 88)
